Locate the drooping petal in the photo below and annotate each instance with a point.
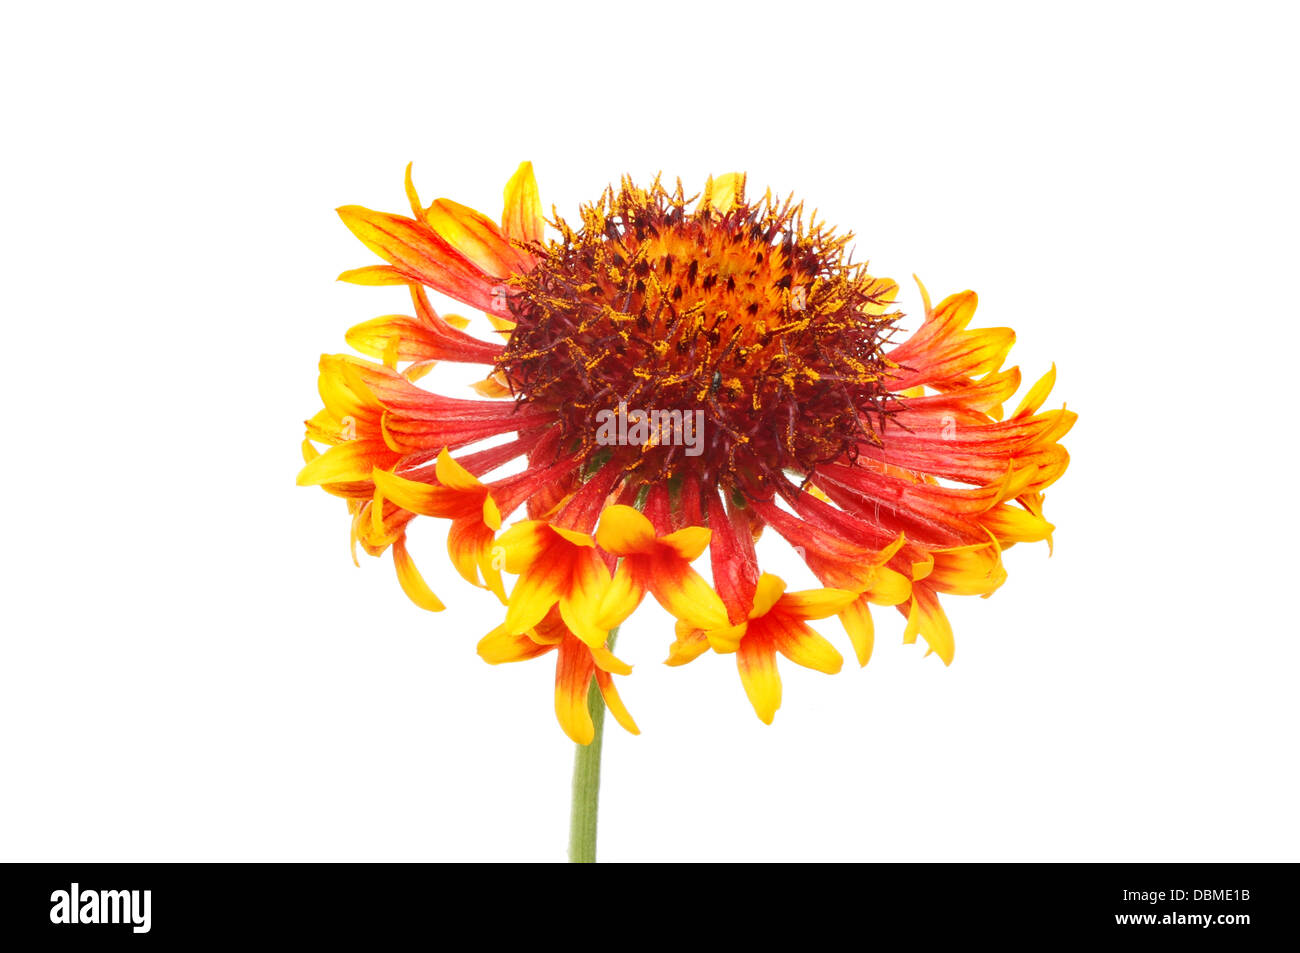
(615, 703)
(756, 661)
(857, 622)
(573, 674)
(412, 582)
(926, 618)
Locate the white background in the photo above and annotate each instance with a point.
(193, 669)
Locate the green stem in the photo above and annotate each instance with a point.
(586, 780)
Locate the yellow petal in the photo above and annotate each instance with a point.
(374, 275)
(522, 217)
(523, 543)
(928, 619)
(766, 594)
(574, 536)
(412, 582)
(856, 618)
(691, 644)
(580, 604)
(348, 462)
(473, 235)
(454, 476)
(889, 588)
(607, 661)
(530, 600)
(723, 193)
(624, 594)
(624, 531)
(497, 647)
(1010, 524)
(728, 638)
(422, 498)
(801, 645)
(491, 512)
(413, 197)
(756, 662)
(614, 703)
(1037, 394)
(815, 603)
(572, 683)
(491, 386)
(686, 594)
(688, 543)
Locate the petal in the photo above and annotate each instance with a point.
(469, 545)
(423, 498)
(688, 543)
(412, 582)
(573, 671)
(374, 275)
(723, 193)
(614, 703)
(856, 619)
(580, 600)
(926, 617)
(731, 554)
(454, 476)
(420, 255)
(352, 461)
(728, 638)
(766, 594)
(491, 512)
(523, 544)
(691, 644)
(532, 597)
(522, 217)
(1010, 524)
(814, 603)
(624, 531)
(756, 661)
(684, 592)
(474, 236)
(801, 645)
(621, 599)
(1037, 394)
(576, 537)
(497, 647)
(491, 386)
(607, 661)
(968, 570)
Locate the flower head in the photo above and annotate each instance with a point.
(668, 375)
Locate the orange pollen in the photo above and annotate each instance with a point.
(746, 320)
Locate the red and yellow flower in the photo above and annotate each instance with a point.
(892, 468)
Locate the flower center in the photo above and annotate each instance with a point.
(752, 340)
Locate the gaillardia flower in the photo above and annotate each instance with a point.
(667, 376)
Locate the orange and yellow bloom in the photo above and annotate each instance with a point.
(767, 391)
